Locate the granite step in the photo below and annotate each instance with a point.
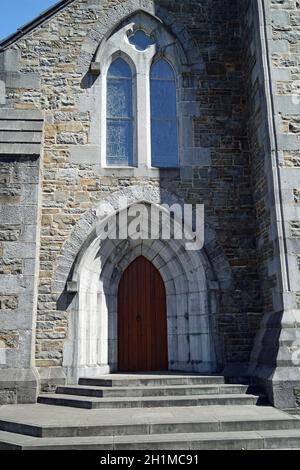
(144, 427)
(138, 402)
(144, 380)
(212, 427)
(246, 440)
(151, 391)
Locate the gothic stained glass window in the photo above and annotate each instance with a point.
(119, 114)
(164, 136)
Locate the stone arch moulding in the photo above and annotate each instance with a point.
(122, 13)
(170, 45)
(93, 268)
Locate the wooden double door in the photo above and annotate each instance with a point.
(142, 319)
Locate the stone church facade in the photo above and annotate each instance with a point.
(231, 307)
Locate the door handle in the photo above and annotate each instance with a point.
(138, 318)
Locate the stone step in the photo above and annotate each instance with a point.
(183, 390)
(42, 421)
(287, 439)
(146, 402)
(142, 427)
(151, 380)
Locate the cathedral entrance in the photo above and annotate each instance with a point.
(142, 319)
(139, 304)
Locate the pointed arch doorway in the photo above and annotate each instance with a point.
(142, 319)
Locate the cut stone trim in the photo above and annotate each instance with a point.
(21, 132)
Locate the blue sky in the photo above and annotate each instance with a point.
(15, 13)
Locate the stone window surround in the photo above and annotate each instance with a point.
(118, 45)
(187, 67)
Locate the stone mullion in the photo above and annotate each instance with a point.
(143, 114)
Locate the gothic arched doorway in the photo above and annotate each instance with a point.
(142, 319)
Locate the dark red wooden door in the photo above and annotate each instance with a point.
(142, 319)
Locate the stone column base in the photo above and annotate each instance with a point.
(50, 378)
(18, 386)
(275, 363)
(281, 385)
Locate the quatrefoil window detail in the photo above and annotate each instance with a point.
(140, 40)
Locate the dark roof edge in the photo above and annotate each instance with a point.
(28, 27)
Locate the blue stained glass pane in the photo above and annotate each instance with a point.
(163, 104)
(119, 98)
(164, 144)
(162, 70)
(119, 136)
(140, 40)
(164, 137)
(119, 142)
(119, 68)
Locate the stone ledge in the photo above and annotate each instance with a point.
(15, 80)
(21, 114)
(21, 125)
(21, 132)
(20, 149)
(9, 136)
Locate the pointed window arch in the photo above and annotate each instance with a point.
(164, 134)
(139, 65)
(120, 119)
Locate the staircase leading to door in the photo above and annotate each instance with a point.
(150, 391)
(149, 412)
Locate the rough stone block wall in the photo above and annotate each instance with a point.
(52, 66)
(271, 28)
(284, 52)
(284, 41)
(275, 143)
(259, 144)
(19, 187)
(18, 209)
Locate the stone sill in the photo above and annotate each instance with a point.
(149, 172)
